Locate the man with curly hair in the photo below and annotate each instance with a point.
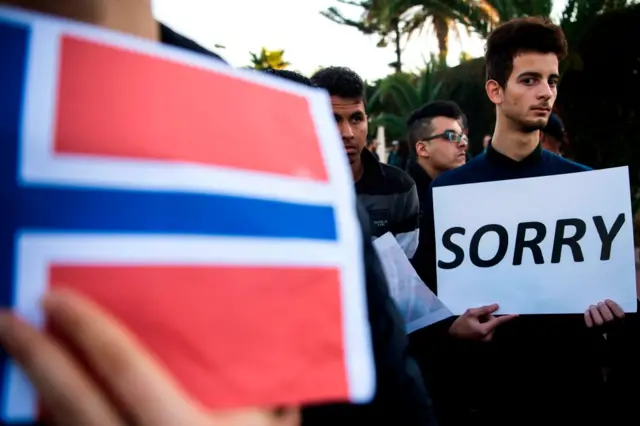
(540, 369)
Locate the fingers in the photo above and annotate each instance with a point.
(258, 417)
(615, 308)
(494, 322)
(124, 367)
(587, 319)
(595, 315)
(482, 310)
(59, 380)
(289, 417)
(603, 312)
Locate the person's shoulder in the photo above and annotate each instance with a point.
(397, 179)
(467, 173)
(563, 165)
(169, 37)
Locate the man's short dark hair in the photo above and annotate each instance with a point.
(340, 81)
(464, 121)
(420, 120)
(290, 75)
(530, 34)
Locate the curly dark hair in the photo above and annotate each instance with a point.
(340, 81)
(530, 34)
(290, 75)
(419, 122)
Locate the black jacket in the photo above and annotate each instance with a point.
(401, 397)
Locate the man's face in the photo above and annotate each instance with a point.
(352, 125)
(531, 90)
(443, 151)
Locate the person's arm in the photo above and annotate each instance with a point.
(407, 226)
(401, 396)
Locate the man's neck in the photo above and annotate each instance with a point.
(428, 168)
(514, 144)
(133, 17)
(357, 169)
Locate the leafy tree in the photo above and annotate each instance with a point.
(268, 59)
(389, 32)
(598, 93)
(406, 93)
(440, 16)
(395, 20)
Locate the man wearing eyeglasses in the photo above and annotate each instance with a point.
(438, 143)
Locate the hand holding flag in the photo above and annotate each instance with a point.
(131, 386)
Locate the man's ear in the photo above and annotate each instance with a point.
(494, 91)
(422, 149)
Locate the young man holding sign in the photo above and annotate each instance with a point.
(543, 369)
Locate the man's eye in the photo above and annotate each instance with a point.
(528, 81)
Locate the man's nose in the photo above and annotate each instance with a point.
(345, 130)
(546, 91)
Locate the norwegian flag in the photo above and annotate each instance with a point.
(210, 209)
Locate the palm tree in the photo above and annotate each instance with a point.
(388, 32)
(394, 20)
(406, 93)
(268, 59)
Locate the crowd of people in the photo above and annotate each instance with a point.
(474, 369)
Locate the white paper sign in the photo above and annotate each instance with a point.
(417, 304)
(563, 278)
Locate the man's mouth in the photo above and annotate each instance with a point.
(351, 149)
(542, 109)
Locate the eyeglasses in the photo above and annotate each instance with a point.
(450, 136)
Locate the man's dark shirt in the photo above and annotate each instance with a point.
(431, 347)
(423, 184)
(538, 369)
(389, 195)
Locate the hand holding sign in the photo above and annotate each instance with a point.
(478, 323)
(143, 391)
(601, 313)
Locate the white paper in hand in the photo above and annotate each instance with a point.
(417, 304)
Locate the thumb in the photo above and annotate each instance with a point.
(496, 321)
(482, 310)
